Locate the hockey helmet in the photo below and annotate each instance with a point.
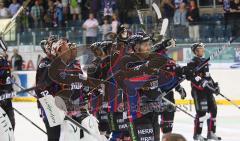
(196, 46)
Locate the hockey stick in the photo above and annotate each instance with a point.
(199, 67)
(229, 100)
(13, 94)
(141, 20)
(164, 21)
(157, 10)
(178, 107)
(66, 117)
(14, 17)
(215, 54)
(29, 120)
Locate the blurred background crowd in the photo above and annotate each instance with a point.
(190, 20)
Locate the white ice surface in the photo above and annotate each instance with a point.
(228, 123)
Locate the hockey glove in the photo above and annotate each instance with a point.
(181, 91)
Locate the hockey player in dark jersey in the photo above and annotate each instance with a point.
(46, 86)
(203, 90)
(117, 111)
(98, 98)
(5, 83)
(140, 72)
(167, 116)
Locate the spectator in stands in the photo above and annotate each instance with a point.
(168, 9)
(178, 3)
(94, 7)
(65, 8)
(107, 9)
(231, 14)
(173, 137)
(91, 27)
(4, 13)
(13, 8)
(180, 15)
(235, 17)
(37, 14)
(24, 19)
(74, 9)
(235, 6)
(58, 13)
(49, 17)
(193, 19)
(226, 8)
(124, 8)
(115, 23)
(16, 60)
(84, 9)
(106, 28)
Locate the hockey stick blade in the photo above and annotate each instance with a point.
(164, 27)
(141, 21)
(157, 10)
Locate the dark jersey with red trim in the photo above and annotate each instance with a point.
(201, 75)
(45, 86)
(43, 80)
(141, 78)
(5, 76)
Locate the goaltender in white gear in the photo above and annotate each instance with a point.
(69, 132)
(6, 130)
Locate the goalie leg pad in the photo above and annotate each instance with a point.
(6, 130)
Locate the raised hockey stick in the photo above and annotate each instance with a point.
(215, 54)
(164, 21)
(141, 21)
(157, 10)
(29, 120)
(8, 25)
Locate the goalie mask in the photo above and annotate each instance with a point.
(46, 45)
(64, 49)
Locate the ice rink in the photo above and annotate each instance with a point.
(228, 123)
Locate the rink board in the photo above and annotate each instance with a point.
(228, 80)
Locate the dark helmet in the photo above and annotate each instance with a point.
(104, 46)
(138, 38)
(196, 46)
(123, 33)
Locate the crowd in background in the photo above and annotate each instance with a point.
(56, 13)
(187, 13)
(110, 13)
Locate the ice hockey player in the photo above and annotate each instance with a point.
(46, 86)
(203, 90)
(140, 73)
(117, 111)
(167, 115)
(98, 98)
(7, 119)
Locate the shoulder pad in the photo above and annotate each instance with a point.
(44, 63)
